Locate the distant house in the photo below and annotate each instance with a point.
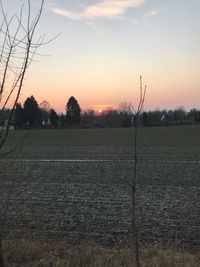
(3, 128)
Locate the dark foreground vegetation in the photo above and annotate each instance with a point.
(32, 253)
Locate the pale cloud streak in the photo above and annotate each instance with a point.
(107, 9)
(151, 13)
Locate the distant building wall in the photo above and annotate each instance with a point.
(3, 128)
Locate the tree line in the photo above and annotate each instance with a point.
(123, 117)
(34, 115)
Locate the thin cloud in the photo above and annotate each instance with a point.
(108, 9)
(151, 13)
(67, 13)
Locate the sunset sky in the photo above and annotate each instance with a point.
(105, 45)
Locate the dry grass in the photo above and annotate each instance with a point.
(28, 253)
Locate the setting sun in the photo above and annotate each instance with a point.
(101, 108)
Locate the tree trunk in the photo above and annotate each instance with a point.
(2, 264)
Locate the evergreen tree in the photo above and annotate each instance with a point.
(53, 118)
(62, 120)
(73, 111)
(19, 115)
(31, 111)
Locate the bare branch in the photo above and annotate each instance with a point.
(10, 51)
(134, 226)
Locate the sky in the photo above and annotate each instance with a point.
(105, 45)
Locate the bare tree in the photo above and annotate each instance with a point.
(135, 122)
(125, 108)
(45, 108)
(17, 49)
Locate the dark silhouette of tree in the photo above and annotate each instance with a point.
(194, 115)
(18, 45)
(125, 108)
(17, 49)
(19, 116)
(88, 118)
(144, 119)
(53, 118)
(180, 114)
(111, 118)
(155, 118)
(125, 114)
(31, 111)
(73, 111)
(4, 116)
(62, 120)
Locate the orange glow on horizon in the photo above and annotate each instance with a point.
(103, 107)
(162, 93)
